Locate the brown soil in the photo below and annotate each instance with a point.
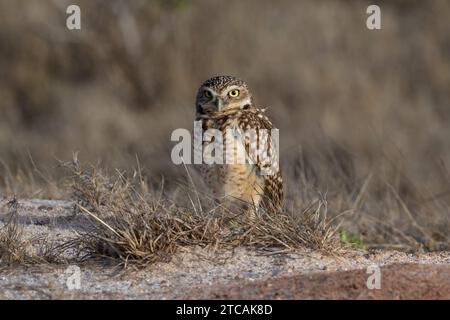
(411, 281)
(195, 273)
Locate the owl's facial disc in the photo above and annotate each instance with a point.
(232, 97)
(235, 97)
(208, 101)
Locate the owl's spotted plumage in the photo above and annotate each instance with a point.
(225, 103)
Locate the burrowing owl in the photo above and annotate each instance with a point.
(225, 103)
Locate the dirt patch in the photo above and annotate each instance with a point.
(242, 273)
(169, 281)
(412, 281)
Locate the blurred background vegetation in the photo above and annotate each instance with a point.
(364, 116)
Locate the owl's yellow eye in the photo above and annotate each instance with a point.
(207, 94)
(234, 93)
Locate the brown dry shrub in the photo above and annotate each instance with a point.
(144, 227)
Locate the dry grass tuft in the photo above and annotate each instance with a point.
(16, 249)
(139, 227)
(12, 247)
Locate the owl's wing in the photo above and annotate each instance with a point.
(260, 141)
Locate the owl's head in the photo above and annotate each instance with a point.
(222, 93)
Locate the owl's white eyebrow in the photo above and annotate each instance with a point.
(210, 90)
(232, 88)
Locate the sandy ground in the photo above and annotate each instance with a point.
(242, 274)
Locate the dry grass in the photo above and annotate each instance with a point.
(140, 227)
(18, 250)
(363, 115)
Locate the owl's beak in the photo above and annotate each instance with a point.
(218, 103)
